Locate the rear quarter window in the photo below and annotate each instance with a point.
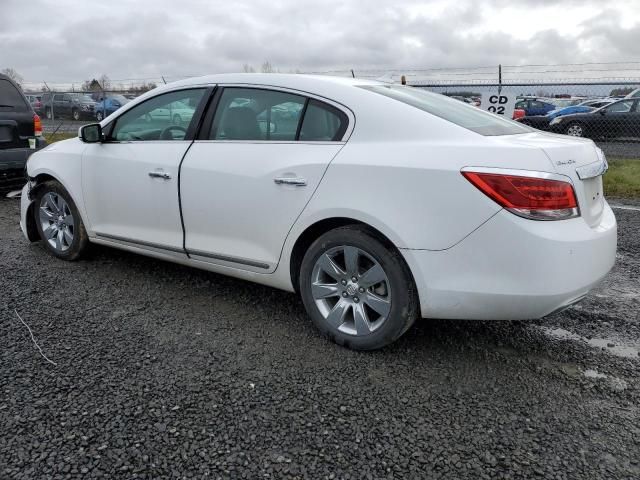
(10, 98)
(458, 113)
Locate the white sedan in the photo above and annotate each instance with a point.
(378, 203)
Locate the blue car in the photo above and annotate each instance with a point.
(108, 105)
(532, 106)
(569, 110)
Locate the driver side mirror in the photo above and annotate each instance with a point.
(91, 133)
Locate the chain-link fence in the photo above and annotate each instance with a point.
(63, 112)
(606, 111)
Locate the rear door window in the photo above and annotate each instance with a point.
(10, 98)
(620, 107)
(322, 123)
(256, 114)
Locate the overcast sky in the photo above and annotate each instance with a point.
(69, 40)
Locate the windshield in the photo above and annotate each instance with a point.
(121, 99)
(459, 113)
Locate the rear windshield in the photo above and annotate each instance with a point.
(10, 97)
(462, 114)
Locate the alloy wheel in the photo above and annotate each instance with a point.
(351, 290)
(575, 131)
(57, 222)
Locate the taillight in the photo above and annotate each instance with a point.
(533, 197)
(37, 125)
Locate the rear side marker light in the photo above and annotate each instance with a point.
(37, 125)
(530, 197)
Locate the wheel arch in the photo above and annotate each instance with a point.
(320, 227)
(37, 181)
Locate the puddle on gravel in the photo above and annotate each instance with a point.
(593, 374)
(625, 351)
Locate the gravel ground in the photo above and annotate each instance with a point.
(169, 372)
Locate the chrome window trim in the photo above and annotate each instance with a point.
(343, 108)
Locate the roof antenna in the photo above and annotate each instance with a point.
(353, 75)
(162, 77)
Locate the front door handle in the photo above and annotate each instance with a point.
(295, 181)
(162, 175)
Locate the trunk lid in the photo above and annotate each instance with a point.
(579, 159)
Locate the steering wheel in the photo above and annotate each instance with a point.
(167, 132)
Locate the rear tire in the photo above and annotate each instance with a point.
(58, 222)
(75, 114)
(576, 129)
(363, 304)
(99, 116)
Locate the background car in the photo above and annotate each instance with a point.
(35, 101)
(178, 112)
(534, 106)
(518, 113)
(108, 105)
(77, 106)
(20, 134)
(619, 119)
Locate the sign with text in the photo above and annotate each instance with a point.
(499, 103)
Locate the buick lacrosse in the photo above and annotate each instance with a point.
(377, 203)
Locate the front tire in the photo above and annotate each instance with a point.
(99, 116)
(59, 224)
(358, 291)
(75, 114)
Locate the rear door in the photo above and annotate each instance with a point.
(16, 117)
(251, 172)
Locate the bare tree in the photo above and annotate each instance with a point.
(105, 81)
(13, 75)
(267, 67)
(248, 68)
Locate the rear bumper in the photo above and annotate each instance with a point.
(515, 269)
(12, 165)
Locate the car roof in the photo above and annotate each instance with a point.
(274, 79)
(323, 85)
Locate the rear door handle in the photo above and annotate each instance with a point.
(162, 175)
(295, 181)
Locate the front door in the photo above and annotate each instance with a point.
(130, 182)
(251, 173)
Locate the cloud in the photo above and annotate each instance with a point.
(136, 39)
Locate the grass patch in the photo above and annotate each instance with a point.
(622, 179)
(56, 137)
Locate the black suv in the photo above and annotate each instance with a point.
(70, 105)
(20, 134)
